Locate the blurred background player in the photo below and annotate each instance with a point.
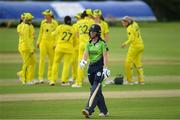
(98, 18)
(83, 35)
(97, 71)
(63, 49)
(136, 48)
(26, 48)
(75, 51)
(19, 26)
(46, 43)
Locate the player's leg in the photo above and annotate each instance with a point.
(102, 106)
(80, 71)
(139, 67)
(20, 73)
(66, 65)
(57, 58)
(31, 68)
(27, 56)
(128, 68)
(96, 91)
(50, 60)
(74, 65)
(42, 57)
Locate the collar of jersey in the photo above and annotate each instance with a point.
(95, 42)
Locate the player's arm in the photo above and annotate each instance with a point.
(40, 35)
(106, 34)
(105, 54)
(56, 34)
(106, 71)
(33, 36)
(131, 38)
(26, 34)
(83, 62)
(19, 29)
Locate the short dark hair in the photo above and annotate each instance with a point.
(67, 20)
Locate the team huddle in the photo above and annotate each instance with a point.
(65, 41)
(83, 42)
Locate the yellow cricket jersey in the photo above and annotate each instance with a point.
(104, 28)
(45, 31)
(83, 30)
(19, 29)
(24, 37)
(134, 36)
(32, 36)
(76, 44)
(65, 38)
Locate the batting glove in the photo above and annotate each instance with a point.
(83, 63)
(106, 73)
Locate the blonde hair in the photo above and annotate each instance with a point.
(128, 19)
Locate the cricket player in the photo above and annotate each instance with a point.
(75, 51)
(26, 48)
(97, 71)
(136, 48)
(83, 36)
(63, 50)
(97, 14)
(99, 19)
(46, 43)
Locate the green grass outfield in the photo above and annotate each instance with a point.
(161, 62)
(136, 108)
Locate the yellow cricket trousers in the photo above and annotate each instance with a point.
(28, 68)
(74, 64)
(80, 71)
(134, 58)
(66, 64)
(46, 49)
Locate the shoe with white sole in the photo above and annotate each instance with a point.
(76, 86)
(52, 84)
(138, 83)
(65, 84)
(71, 80)
(85, 113)
(104, 115)
(41, 81)
(30, 83)
(127, 83)
(36, 81)
(141, 83)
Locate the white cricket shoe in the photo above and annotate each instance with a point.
(35, 81)
(85, 113)
(127, 83)
(52, 84)
(71, 80)
(65, 84)
(104, 115)
(76, 86)
(30, 83)
(138, 83)
(41, 81)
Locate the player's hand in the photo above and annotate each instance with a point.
(106, 73)
(123, 45)
(83, 63)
